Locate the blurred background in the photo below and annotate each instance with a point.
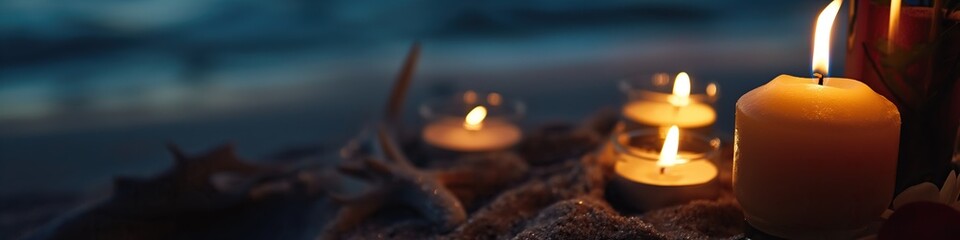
(94, 89)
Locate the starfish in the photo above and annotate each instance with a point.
(395, 181)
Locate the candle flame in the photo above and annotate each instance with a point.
(681, 90)
(474, 119)
(893, 24)
(671, 145)
(821, 38)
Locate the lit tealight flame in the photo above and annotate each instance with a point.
(474, 119)
(821, 38)
(668, 154)
(681, 90)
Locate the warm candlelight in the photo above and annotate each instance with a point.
(712, 90)
(815, 157)
(668, 154)
(671, 167)
(677, 108)
(821, 38)
(651, 179)
(470, 97)
(681, 91)
(893, 24)
(475, 131)
(474, 119)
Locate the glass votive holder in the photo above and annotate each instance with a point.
(472, 121)
(656, 101)
(645, 182)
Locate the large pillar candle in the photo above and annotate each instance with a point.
(815, 157)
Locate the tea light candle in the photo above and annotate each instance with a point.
(648, 180)
(656, 109)
(472, 133)
(815, 157)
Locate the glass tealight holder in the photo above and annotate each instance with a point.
(472, 121)
(652, 103)
(643, 182)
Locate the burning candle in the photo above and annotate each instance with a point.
(815, 157)
(472, 133)
(678, 108)
(648, 179)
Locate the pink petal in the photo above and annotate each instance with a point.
(917, 193)
(950, 190)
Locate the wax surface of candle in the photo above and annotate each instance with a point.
(656, 113)
(811, 158)
(449, 133)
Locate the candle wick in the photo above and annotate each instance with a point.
(820, 77)
(663, 170)
(676, 114)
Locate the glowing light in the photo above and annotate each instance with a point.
(681, 90)
(494, 99)
(894, 23)
(660, 79)
(671, 145)
(470, 97)
(474, 119)
(712, 90)
(821, 38)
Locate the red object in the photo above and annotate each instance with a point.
(925, 87)
(922, 220)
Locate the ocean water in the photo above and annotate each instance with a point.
(93, 90)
